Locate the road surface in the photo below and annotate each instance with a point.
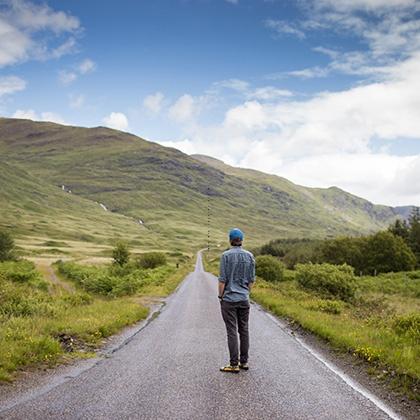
(170, 370)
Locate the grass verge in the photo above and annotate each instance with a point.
(41, 327)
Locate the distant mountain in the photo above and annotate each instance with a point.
(170, 191)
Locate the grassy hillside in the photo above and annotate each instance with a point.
(169, 191)
(31, 207)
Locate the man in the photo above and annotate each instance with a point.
(237, 274)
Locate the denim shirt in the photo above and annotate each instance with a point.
(237, 271)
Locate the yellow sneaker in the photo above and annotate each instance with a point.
(230, 368)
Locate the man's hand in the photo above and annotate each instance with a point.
(221, 289)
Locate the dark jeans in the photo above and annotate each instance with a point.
(236, 316)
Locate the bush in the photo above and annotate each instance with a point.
(151, 260)
(7, 246)
(408, 325)
(22, 271)
(328, 280)
(121, 253)
(269, 268)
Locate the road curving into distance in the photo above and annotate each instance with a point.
(170, 370)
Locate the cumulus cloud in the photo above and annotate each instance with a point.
(11, 84)
(34, 31)
(154, 102)
(183, 109)
(327, 139)
(30, 114)
(116, 120)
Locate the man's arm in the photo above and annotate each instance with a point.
(251, 283)
(222, 277)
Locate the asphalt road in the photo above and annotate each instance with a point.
(170, 370)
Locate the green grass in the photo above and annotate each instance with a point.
(380, 326)
(33, 316)
(165, 188)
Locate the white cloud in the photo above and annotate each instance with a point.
(326, 139)
(233, 1)
(369, 5)
(116, 120)
(27, 114)
(29, 31)
(234, 84)
(183, 109)
(154, 102)
(14, 44)
(35, 17)
(86, 66)
(282, 27)
(30, 114)
(11, 84)
(67, 77)
(268, 93)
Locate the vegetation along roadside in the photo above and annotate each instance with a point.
(44, 325)
(375, 318)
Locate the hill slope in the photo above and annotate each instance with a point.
(29, 206)
(170, 191)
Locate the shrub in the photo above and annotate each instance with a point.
(7, 246)
(269, 268)
(328, 280)
(151, 260)
(121, 253)
(408, 325)
(22, 271)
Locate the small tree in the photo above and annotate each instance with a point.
(7, 246)
(386, 252)
(121, 253)
(269, 268)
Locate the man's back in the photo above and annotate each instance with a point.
(237, 271)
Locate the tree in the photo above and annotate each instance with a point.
(414, 233)
(344, 250)
(7, 246)
(385, 252)
(400, 228)
(121, 253)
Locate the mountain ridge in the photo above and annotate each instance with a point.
(171, 191)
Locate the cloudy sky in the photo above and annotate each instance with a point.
(323, 92)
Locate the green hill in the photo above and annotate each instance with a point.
(31, 207)
(166, 189)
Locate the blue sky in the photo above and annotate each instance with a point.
(323, 93)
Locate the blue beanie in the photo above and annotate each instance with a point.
(236, 234)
